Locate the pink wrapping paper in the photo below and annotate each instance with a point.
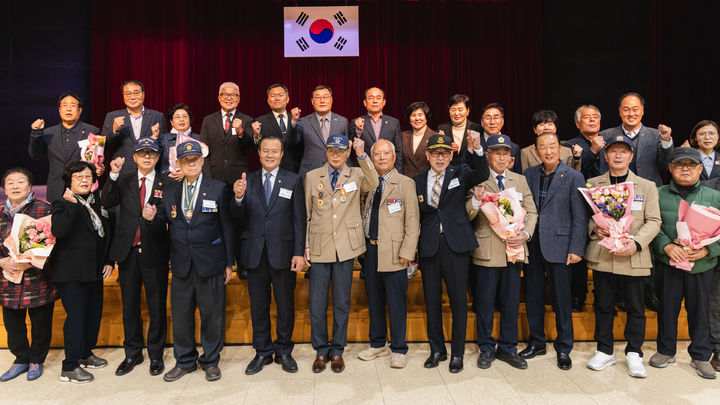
(502, 226)
(35, 256)
(618, 229)
(697, 226)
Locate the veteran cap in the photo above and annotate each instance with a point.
(337, 141)
(619, 139)
(439, 141)
(498, 141)
(189, 148)
(146, 143)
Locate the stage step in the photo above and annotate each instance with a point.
(239, 326)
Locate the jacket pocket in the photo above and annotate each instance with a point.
(354, 234)
(315, 244)
(397, 241)
(642, 260)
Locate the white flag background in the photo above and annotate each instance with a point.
(321, 31)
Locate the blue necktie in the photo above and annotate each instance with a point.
(374, 214)
(333, 178)
(501, 185)
(281, 123)
(268, 187)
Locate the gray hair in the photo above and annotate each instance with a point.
(229, 84)
(578, 112)
(392, 145)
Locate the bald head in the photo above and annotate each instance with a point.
(383, 156)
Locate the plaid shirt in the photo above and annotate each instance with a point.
(35, 289)
(545, 180)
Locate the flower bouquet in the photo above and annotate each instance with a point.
(30, 241)
(611, 206)
(92, 149)
(172, 153)
(506, 216)
(697, 226)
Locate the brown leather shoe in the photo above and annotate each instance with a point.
(337, 364)
(319, 364)
(715, 361)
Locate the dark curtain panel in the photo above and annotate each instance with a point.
(686, 61)
(182, 51)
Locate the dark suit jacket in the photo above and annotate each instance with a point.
(650, 158)
(463, 155)
(279, 225)
(123, 143)
(451, 211)
(48, 142)
(415, 161)
(715, 173)
(206, 242)
(293, 152)
(79, 253)
(227, 160)
(389, 130)
(562, 219)
(166, 142)
(589, 159)
(125, 192)
(308, 132)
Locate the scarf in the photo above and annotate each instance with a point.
(11, 211)
(97, 223)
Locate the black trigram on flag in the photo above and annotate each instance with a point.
(340, 44)
(340, 18)
(302, 18)
(303, 44)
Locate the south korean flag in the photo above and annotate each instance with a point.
(321, 31)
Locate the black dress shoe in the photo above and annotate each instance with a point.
(532, 351)
(213, 373)
(485, 359)
(563, 361)
(156, 367)
(512, 359)
(456, 364)
(651, 303)
(242, 274)
(435, 359)
(128, 365)
(177, 373)
(288, 363)
(257, 363)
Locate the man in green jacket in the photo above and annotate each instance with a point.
(674, 284)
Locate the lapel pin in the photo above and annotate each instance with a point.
(320, 186)
(204, 194)
(279, 181)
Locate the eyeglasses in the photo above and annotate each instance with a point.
(686, 165)
(336, 151)
(229, 96)
(69, 105)
(82, 177)
(439, 153)
(323, 97)
(147, 153)
(132, 93)
(707, 134)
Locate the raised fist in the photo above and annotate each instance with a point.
(118, 123)
(295, 114)
(116, 164)
(359, 125)
(155, 129)
(69, 196)
(359, 146)
(38, 124)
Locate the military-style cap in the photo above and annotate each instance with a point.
(147, 143)
(498, 141)
(189, 148)
(338, 141)
(439, 141)
(619, 139)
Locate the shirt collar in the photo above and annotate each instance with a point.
(319, 117)
(197, 181)
(274, 172)
(631, 134)
(433, 173)
(375, 120)
(72, 128)
(331, 169)
(142, 112)
(150, 176)
(542, 169)
(232, 113)
(284, 113)
(495, 174)
(711, 155)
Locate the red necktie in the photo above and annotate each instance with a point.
(227, 122)
(142, 202)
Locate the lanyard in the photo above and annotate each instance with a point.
(189, 198)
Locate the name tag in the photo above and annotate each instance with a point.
(285, 193)
(453, 183)
(394, 206)
(209, 206)
(349, 187)
(637, 203)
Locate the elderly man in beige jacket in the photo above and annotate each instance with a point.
(392, 227)
(334, 239)
(624, 269)
(495, 275)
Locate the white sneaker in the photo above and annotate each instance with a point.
(371, 353)
(636, 368)
(601, 361)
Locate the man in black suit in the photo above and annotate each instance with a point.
(446, 238)
(141, 252)
(558, 241)
(228, 135)
(59, 143)
(124, 128)
(269, 209)
(375, 125)
(280, 124)
(196, 214)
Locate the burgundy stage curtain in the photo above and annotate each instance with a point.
(429, 50)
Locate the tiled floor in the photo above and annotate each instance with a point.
(374, 382)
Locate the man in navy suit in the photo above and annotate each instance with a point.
(141, 252)
(652, 146)
(201, 256)
(559, 241)
(269, 210)
(124, 128)
(375, 125)
(280, 123)
(446, 238)
(313, 130)
(60, 142)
